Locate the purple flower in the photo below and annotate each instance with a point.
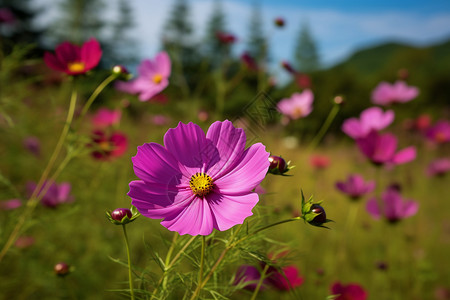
(106, 117)
(56, 194)
(355, 187)
(197, 183)
(438, 167)
(351, 291)
(10, 204)
(381, 149)
(33, 145)
(439, 133)
(298, 106)
(250, 274)
(393, 207)
(285, 279)
(399, 92)
(7, 16)
(370, 119)
(153, 78)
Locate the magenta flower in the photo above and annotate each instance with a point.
(438, 167)
(105, 117)
(355, 186)
(249, 275)
(392, 206)
(32, 144)
(439, 133)
(286, 279)
(319, 161)
(73, 60)
(226, 38)
(56, 194)
(153, 78)
(373, 118)
(381, 149)
(249, 62)
(197, 183)
(351, 291)
(298, 106)
(108, 146)
(160, 120)
(10, 204)
(399, 92)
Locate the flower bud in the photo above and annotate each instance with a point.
(62, 269)
(278, 165)
(321, 215)
(279, 22)
(288, 67)
(339, 100)
(122, 216)
(313, 213)
(121, 72)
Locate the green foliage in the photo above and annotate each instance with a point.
(306, 55)
(257, 44)
(214, 49)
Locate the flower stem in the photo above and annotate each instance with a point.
(38, 193)
(95, 94)
(326, 125)
(169, 254)
(130, 279)
(202, 260)
(260, 282)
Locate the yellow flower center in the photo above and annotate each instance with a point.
(76, 67)
(201, 184)
(297, 113)
(157, 78)
(104, 146)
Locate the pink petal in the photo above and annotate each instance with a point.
(162, 60)
(373, 208)
(410, 208)
(91, 53)
(352, 127)
(405, 155)
(52, 62)
(67, 52)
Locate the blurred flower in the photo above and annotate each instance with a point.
(250, 274)
(203, 115)
(108, 146)
(393, 206)
(225, 38)
(420, 124)
(288, 67)
(7, 16)
(260, 190)
(381, 149)
(279, 22)
(381, 265)
(121, 72)
(160, 120)
(441, 293)
(249, 61)
(285, 280)
(105, 117)
(32, 144)
(24, 242)
(74, 60)
(438, 167)
(351, 291)
(298, 106)
(10, 204)
(197, 183)
(399, 92)
(153, 78)
(403, 74)
(319, 161)
(439, 133)
(56, 194)
(303, 81)
(373, 118)
(355, 187)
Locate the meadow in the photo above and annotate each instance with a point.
(62, 242)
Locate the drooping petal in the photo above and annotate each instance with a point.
(352, 127)
(228, 144)
(231, 210)
(247, 174)
(410, 208)
(406, 155)
(373, 208)
(162, 60)
(67, 52)
(54, 63)
(91, 53)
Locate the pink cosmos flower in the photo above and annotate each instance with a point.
(24, 242)
(73, 60)
(399, 92)
(10, 204)
(355, 186)
(108, 146)
(160, 120)
(298, 106)
(351, 291)
(153, 78)
(439, 133)
(381, 149)
(373, 118)
(105, 117)
(319, 161)
(56, 194)
(197, 183)
(393, 207)
(438, 167)
(420, 124)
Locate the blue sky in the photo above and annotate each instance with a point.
(338, 26)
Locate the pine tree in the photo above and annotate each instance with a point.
(178, 29)
(257, 45)
(306, 56)
(214, 49)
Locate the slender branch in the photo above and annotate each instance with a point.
(260, 282)
(130, 278)
(95, 94)
(202, 260)
(316, 140)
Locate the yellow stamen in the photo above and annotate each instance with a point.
(297, 113)
(201, 184)
(104, 146)
(76, 66)
(157, 78)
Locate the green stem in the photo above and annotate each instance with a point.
(169, 254)
(95, 94)
(35, 198)
(326, 125)
(130, 278)
(202, 260)
(260, 282)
